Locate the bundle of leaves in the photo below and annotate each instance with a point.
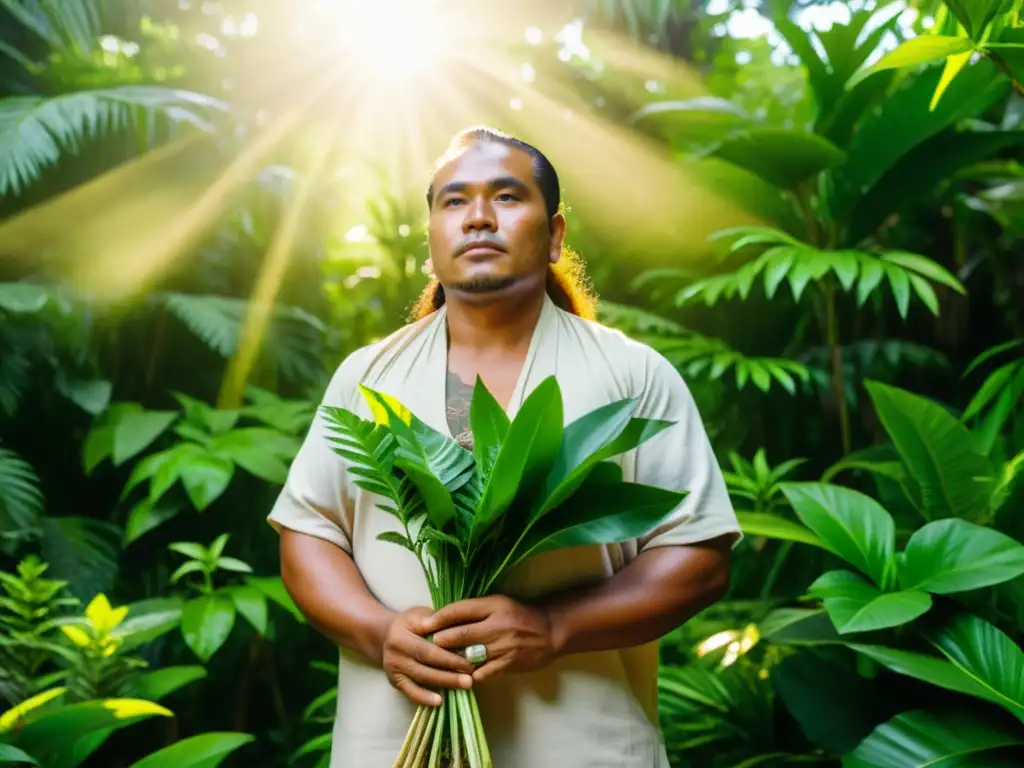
(530, 485)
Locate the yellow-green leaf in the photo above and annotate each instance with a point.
(916, 51)
(954, 65)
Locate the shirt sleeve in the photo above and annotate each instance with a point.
(315, 499)
(680, 458)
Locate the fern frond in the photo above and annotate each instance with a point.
(82, 551)
(34, 130)
(798, 264)
(21, 496)
(696, 355)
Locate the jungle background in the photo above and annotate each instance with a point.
(815, 210)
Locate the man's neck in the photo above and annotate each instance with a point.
(505, 325)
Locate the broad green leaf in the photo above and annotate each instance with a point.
(159, 683)
(188, 549)
(938, 451)
(900, 284)
(57, 730)
(148, 620)
(10, 754)
(952, 555)
(780, 156)
(898, 125)
(987, 656)
(939, 739)
(924, 292)
(854, 605)
(917, 51)
(532, 442)
(954, 66)
(798, 626)
(168, 471)
(976, 15)
(489, 424)
(205, 478)
(99, 442)
(850, 524)
(930, 669)
(604, 510)
(23, 298)
(206, 623)
(601, 434)
(136, 430)
(207, 750)
(273, 588)
(245, 441)
(251, 603)
(774, 527)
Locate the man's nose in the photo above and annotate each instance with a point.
(479, 216)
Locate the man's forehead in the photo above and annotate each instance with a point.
(485, 160)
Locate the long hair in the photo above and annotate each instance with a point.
(567, 285)
(567, 282)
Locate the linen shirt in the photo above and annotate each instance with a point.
(592, 710)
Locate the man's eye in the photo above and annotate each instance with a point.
(507, 196)
(451, 201)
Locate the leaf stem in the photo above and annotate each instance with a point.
(836, 357)
(999, 61)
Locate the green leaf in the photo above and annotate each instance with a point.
(930, 669)
(206, 750)
(941, 739)
(489, 423)
(273, 588)
(206, 623)
(56, 730)
(798, 626)
(82, 551)
(780, 156)
(205, 477)
(976, 15)
(604, 510)
(135, 430)
(251, 603)
(603, 433)
(533, 441)
(900, 287)
(917, 51)
(850, 524)
(233, 564)
(952, 555)
(189, 549)
(855, 605)
(774, 527)
(21, 496)
(9, 754)
(23, 298)
(159, 683)
(987, 656)
(938, 452)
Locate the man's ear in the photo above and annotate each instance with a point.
(557, 237)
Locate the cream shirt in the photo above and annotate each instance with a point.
(596, 710)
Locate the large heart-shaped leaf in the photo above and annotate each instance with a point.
(855, 605)
(136, 430)
(252, 604)
(206, 623)
(955, 480)
(986, 655)
(205, 477)
(54, 731)
(206, 750)
(946, 740)
(952, 555)
(850, 524)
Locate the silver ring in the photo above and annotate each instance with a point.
(476, 654)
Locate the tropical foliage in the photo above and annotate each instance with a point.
(850, 328)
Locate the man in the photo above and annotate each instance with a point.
(570, 676)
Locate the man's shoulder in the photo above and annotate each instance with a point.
(619, 346)
(358, 366)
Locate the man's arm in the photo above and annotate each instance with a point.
(327, 587)
(657, 592)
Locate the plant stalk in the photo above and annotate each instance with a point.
(836, 356)
(999, 61)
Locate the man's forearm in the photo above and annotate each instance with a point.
(329, 590)
(657, 592)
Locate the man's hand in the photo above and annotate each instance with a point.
(412, 662)
(518, 638)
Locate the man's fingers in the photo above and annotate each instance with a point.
(489, 669)
(417, 694)
(432, 655)
(460, 637)
(460, 612)
(435, 678)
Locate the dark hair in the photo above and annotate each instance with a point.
(544, 173)
(567, 282)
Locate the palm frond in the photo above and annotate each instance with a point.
(695, 355)
(63, 26)
(21, 498)
(82, 551)
(34, 130)
(799, 263)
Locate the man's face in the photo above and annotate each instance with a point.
(489, 228)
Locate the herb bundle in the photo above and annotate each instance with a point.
(529, 485)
